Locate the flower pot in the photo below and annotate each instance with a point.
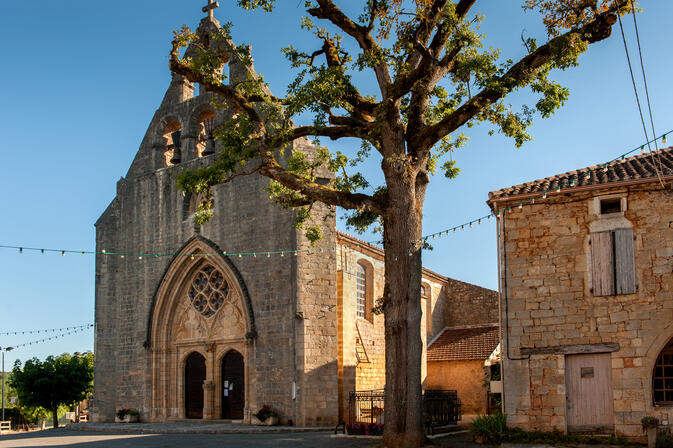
(652, 437)
(271, 421)
(128, 418)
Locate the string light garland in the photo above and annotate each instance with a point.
(48, 330)
(58, 336)
(572, 181)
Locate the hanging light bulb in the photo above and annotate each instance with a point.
(268, 255)
(103, 251)
(63, 253)
(240, 256)
(642, 150)
(140, 257)
(20, 250)
(663, 139)
(191, 256)
(122, 255)
(544, 195)
(520, 205)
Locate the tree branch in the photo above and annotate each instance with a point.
(329, 11)
(269, 166)
(600, 28)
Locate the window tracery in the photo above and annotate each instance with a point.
(208, 291)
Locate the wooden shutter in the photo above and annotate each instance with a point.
(625, 269)
(602, 266)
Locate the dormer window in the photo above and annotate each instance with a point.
(611, 205)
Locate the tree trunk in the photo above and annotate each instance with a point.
(54, 414)
(403, 419)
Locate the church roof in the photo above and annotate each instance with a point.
(640, 168)
(362, 245)
(464, 343)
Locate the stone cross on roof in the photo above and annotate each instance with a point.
(210, 8)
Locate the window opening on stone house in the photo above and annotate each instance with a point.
(662, 377)
(173, 138)
(361, 281)
(611, 205)
(613, 262)
(424, 291)
(206, 142)
(208, 291)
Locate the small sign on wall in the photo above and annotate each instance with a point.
(587, 372)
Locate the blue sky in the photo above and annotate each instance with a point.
(81, 81)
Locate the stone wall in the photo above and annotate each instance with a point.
(469, 304)
(149, 215)
(548, 308)
(467, 377)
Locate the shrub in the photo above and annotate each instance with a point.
(664, 438)
(265, 412)
(124, 412)
(489, 429)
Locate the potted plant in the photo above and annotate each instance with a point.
(126, 416)
(650, 425)
(265, 416)
(365, 429)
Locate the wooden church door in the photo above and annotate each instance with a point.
(233, 385)
(195, 375)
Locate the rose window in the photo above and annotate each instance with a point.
(208, 291)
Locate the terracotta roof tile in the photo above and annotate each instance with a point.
(641, 166)
(456, 344)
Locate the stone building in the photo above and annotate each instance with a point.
(215, 321)
(456, 360)
(586, 287)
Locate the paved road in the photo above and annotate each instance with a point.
(80, 439)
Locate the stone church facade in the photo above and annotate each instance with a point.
(214, 321)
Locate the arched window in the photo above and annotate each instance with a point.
(662, 379)
(361, 298)
(173, 138)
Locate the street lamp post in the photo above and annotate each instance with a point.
(3, 350)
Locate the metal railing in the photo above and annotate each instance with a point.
(440, 407)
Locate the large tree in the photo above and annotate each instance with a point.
(60, 380)
(433, 77)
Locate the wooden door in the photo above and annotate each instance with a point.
(589, 403)
(233, 385)
(195, 375)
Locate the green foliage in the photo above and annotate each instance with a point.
(392, 41)
(664, 438)
(61, 380)
(493, 430)
(649, 422)
(490, 429)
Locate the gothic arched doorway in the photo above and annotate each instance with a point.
(201, 306)
(233, 385)
(195, 375)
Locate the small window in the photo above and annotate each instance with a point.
(612, 205)
(662, 378)
(424, 291)
(361, 304)
(613, 262)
